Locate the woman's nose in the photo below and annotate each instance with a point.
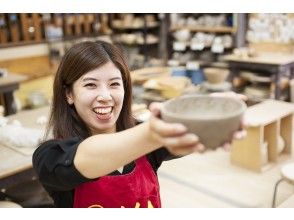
(104, 95)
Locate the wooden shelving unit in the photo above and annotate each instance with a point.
(229, 30)
(208, 53)
(266, 122)
(149, 48)
(273, 42)
(20, 29)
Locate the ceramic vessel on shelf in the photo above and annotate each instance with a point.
(215, 75)
(182, 35)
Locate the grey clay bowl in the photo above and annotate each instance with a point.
(212, 119)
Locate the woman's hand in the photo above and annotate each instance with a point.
(241, 133)
(173, 136)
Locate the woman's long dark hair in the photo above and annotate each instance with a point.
(64, 122)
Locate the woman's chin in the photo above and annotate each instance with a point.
(105, 128)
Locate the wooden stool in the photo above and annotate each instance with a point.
(8, 204)
(287, 173)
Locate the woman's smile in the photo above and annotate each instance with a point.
(103, 113)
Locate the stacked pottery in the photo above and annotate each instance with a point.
(216, 79)
(216, 75)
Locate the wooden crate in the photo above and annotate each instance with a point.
(266, 122)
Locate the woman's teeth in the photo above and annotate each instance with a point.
(103, 110)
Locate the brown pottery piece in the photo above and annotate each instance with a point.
(212, 119)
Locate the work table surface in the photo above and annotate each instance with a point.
(264, 58)
(12, 161)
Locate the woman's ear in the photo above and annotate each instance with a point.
(69, 97)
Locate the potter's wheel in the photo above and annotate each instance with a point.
(219, 87)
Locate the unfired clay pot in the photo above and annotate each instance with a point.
(212, 119)
(215, 75)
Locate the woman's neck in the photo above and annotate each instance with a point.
(108, 131)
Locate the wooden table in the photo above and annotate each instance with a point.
(13, 164)
(276, 64)
(8, 84)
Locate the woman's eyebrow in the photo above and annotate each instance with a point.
(115, 78)
(89, 79)
(94, 79)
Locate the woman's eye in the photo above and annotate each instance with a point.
(115, 84)
(90, 85)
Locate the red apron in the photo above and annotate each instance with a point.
(137, 189)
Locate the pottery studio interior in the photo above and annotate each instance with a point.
(209, 72)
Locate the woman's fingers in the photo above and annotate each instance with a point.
(186, 140)
(227, 146)
(200, 148)
(155, 108)
(166, 129)
(240, 134)
(187, 144)
(182, 151)
(237, 135)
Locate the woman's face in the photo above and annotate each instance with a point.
(98, 98)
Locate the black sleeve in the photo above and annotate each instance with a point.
(53, 162)
(156, 157)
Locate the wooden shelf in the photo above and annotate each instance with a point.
(266, 122)
(64, 39)
(125, 28)
(21, 43)
(30, 28)
(188, 46)
(137, 44)
(223, 29)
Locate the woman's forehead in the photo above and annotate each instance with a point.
(105, 72)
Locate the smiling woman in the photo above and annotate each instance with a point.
(88, 69)
(99, 112)
(95, 135)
